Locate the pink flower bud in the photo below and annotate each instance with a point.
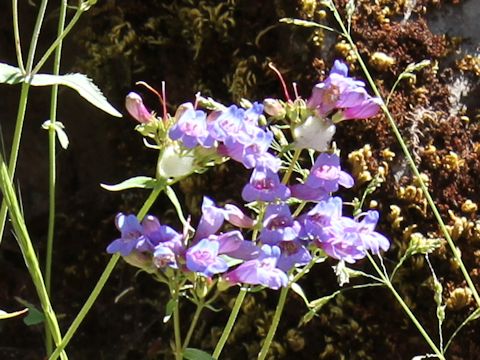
(135, 107)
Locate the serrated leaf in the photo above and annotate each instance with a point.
(196, 354)
(10, 74)
(138, 182)
(299, 291)
(81, 84)
(4, 315)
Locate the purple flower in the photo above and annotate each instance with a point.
(324, 178)
(135, 107)
(232, 244)
(164, 256)
(211, 220)
(371, 239)
(203, 258)
(260, 271)
(319, 219)
(249, 147)
(191, 128)
(367, 108)
(293, 254)
(339, 91)
(252, 114)
(279, 225)
(349, 240)
(156, 234)
(236, 217)
(264, 185)
(230, 122)
(131, 234)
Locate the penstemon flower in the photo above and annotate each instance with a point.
(136, 108)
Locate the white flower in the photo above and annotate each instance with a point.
(315, 133)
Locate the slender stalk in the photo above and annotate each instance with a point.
(405, 307)
(28, 251)
(52, 168)
(275, 322)
(474, 315)
(35, 36)
(196, 316)
(22, 107)
(411, 162)
(16, 34)
(289, 171)
(231, 321)
(17, 135)
(58, 40)
(102, 281)
(176, 321)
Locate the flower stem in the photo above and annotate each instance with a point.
(196, 316)
(58, 40)
(289, 172)
(52, 169)
(405, 307)
(231, 321)
(411, 162)
(102, 281)
(22, 106)
(29, 254)
(275, 321)
(176, 322)
(16, 34)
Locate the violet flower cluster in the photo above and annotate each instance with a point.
(284, 241)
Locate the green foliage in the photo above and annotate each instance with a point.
(78, 82)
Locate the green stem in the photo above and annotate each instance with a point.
(405, 307)
(58, 41)
(411, 162)
(22, 106)
(52, 169)
(176, 321)
(289, 172)
(474, 315)
(35, 36)
(102, 281)
(16, 34)
(275, 321)
(231, 321)
(12, 164)
(28, 251)
(196, 316)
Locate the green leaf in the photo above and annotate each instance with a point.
(169, 310)
(34, 316)
(299, 291)
(78, 82)
(196, 354)
(4, 315)
(81, 84)
(59, 130)
(138, 182)
(10, 74)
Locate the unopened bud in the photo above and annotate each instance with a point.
(274, 108)
(135, 107)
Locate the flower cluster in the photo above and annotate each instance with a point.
(284, 240)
